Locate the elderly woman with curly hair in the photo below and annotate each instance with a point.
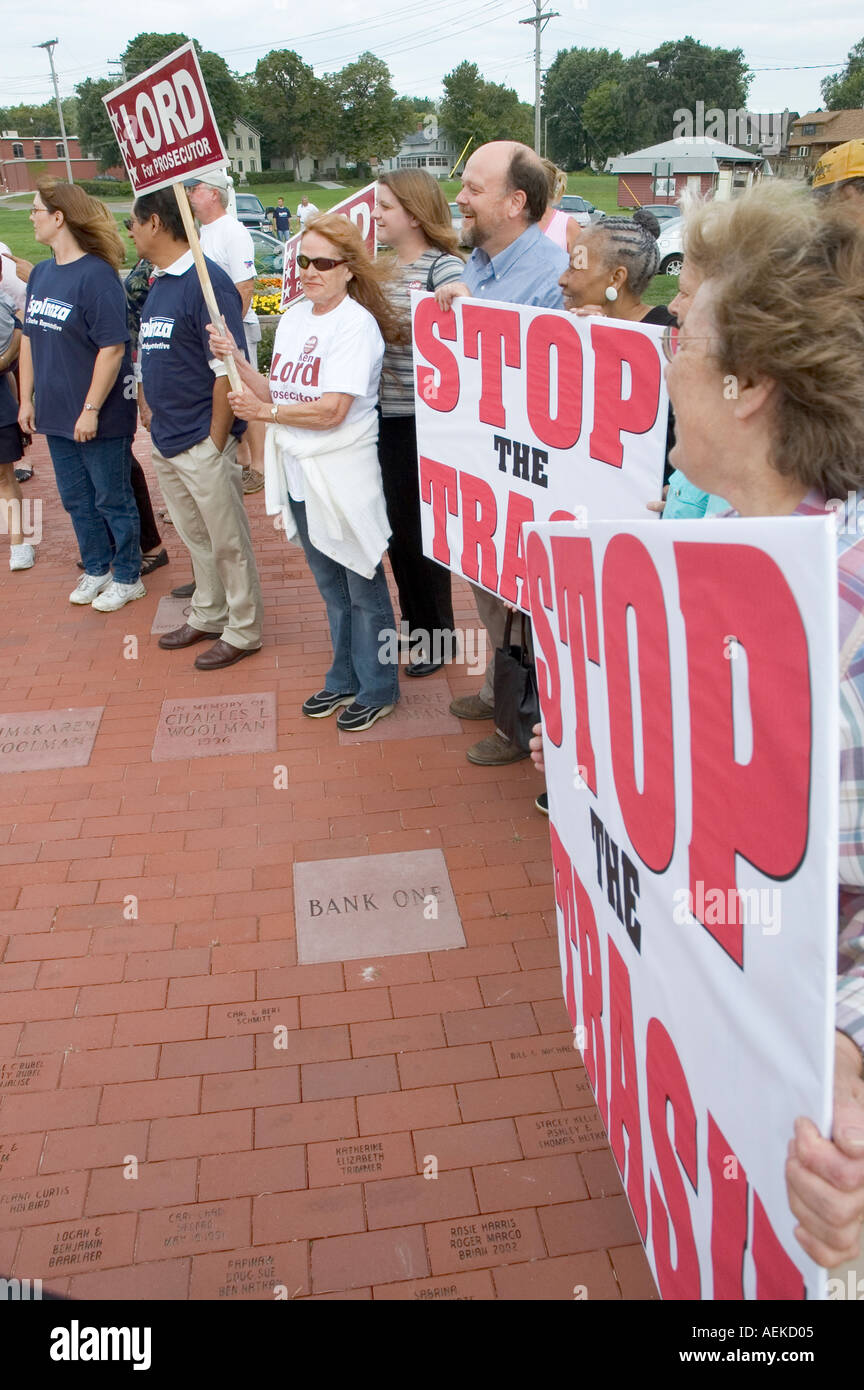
(322, 471)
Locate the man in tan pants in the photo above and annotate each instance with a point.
(184, 403)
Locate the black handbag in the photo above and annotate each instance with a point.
(517, 704)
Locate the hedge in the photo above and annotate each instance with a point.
(271, 176)
(107, 188)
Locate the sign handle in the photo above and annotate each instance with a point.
(204, 276)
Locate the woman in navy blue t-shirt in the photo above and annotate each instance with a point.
(75, 353)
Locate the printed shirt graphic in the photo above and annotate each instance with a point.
(72, 311)
(282, 218)
(313, 353)
(174, 351)
(227, 242)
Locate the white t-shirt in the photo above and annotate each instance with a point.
(304, 212)
(227, 242)
(313, 353)
(10, 280)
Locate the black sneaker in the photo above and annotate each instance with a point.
(357, 717)
(542, 803)
(324, 703)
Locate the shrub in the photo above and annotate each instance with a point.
(98, 188)
(265, 348)
(272, 176)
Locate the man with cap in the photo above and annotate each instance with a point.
(839, 176)
(227, 242)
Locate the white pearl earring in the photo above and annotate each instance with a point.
(611, 293)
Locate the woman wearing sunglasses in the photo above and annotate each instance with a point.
(414, 221)
(322, 473)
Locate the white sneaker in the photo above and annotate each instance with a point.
(22, 557)
(88, 586)
(116, 595)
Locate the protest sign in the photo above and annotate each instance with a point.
(164, 123)
(530, 414)
(688, 677)
(167, 132)
(359, 207)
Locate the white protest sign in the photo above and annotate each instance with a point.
(530, 414)
(359, 207)
(688, 677)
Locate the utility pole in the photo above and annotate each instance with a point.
(540, 20)
(51, 44)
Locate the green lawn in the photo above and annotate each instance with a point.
(16, 230)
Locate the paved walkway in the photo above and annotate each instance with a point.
(188, 1112)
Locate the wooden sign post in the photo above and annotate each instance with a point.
(204, 277)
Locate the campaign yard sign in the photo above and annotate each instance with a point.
(688, 677)
(359, 207)
(528, 414)
(164, 123)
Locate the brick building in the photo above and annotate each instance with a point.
(25, 158)
(661, 173)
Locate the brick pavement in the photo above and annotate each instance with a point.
(154, 1140)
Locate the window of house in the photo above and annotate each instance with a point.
(251, 142)
(252, 165)
(37, 150)
(240, 165)
(17, 151)
(809, 130)
(61, 153)
(803, 151)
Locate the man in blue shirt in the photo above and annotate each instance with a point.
(282, 220)
(504, 195)
(184, 404)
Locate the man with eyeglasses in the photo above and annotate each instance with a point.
(227, 242)
(184, 404)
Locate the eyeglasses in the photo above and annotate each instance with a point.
(319, 262)
(669, 341)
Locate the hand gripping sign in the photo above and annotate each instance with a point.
(527, 414)
(166, 130)
(359, 207)
(688, 684)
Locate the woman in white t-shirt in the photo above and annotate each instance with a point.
(323, 392)
(414, 221)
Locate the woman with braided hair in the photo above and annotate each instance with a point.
(612, 263)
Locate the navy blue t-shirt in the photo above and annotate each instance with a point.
(175, 355)
(282, 218)
(72, 311)
(8, 403)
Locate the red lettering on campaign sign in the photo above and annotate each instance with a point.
(164, 123)
(545, 651)
(776, 1276)
(438, 485)
(591, 966)
(563, 877)
(479, 520)
(615, 414)
(574, 589)
(631, 585)
(485, 331)
(548, 335)
(519, 510)
(759, 809)
(728, 1215)
(624, 1088)
(667, 1085)
(443, 394)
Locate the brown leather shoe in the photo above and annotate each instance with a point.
(471, 707)
(222, 654)
(184, 636)
(495, 751)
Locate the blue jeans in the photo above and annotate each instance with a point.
(95, 486)
(358, 610)
(283, 236)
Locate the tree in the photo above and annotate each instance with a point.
(844, 90)
(463, 89)
(689, 71)
(30, 120)
(573, 74)
(371, 119)
(95, 132)
(226, 94)
(473, 107)
(293, 109)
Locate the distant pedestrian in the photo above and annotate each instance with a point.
(305, 211)
(282, 220)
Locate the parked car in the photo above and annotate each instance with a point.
(269, 252)
(670, 244)
(580, 208)
(664, 212)
(250, 211)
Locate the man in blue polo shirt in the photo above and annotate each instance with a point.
(184, 404)
(504, 195)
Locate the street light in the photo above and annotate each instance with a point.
(51, 44)
(546, 120)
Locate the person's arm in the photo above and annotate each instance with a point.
(324, 414)
(222, 345)
(221, 419)
(27, 412)
(244, 288)
(143, 408)
(105, 369)
(825, 1177)
(10, 352)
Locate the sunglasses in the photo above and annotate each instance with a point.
(319, 262)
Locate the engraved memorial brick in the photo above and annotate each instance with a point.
(419, 714)
(202, 728)
(48, 738)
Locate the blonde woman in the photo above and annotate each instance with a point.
(414, 221)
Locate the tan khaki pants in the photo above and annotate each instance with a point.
(204, 495)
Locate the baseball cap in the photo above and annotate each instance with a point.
(214, 179)
(841, 163)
